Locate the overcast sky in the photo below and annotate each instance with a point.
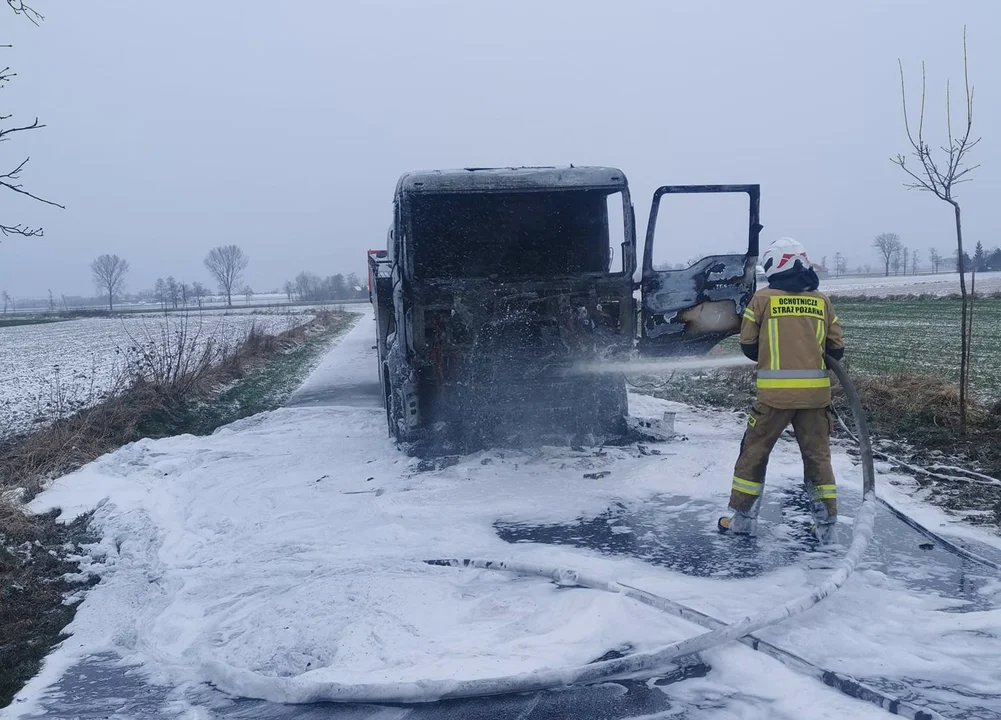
(283, 127)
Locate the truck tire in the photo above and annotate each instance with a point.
(387, 399)
(399, 430)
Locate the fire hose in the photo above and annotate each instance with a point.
(309, 688)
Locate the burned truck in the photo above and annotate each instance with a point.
(507, 300)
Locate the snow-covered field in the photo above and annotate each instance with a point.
(941, 284)
(59, 367)
(291, 544)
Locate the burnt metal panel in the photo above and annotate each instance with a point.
(493, 360)
(511, 179)
(689, 311)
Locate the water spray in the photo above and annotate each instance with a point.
(659, 367)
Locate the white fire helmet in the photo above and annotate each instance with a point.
(784, 254)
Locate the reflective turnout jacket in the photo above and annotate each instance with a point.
(788, 334)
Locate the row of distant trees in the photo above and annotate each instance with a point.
(225, 264)
(171, 293)
(899, 259)
(310, 287)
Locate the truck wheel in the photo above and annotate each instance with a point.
(396, 419)
(387, 400)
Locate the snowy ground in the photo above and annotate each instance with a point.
(58, 367)
(291, 544)
(941, 284)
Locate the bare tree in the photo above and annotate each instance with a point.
(914, 262)
(198, 291)
(839, 263)
(173, 291)
(935, 259)
(965, 262)
(6, 301)
(160, 293)
(248, 293)
(306, 285)
(940, 177)
(289, 289)
(226, 263)
(10, 179)
(109, 276)
(22, 8)
(889, 246)
(52, 301)
(907, 257)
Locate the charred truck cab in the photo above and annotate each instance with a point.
(502, 290)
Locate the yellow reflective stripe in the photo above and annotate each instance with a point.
(793, 383)
(821, 336)
(773, 343)
(834, 320)
(791, 374)
(748, 315)
(825, 492)
(748, 487)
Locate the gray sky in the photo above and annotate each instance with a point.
(174, 127)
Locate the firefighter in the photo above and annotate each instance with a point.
(787, 327)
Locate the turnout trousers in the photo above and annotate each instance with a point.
(813, 433)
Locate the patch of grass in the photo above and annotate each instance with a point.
(922, 411)
(28, 460)
(916, 418)
(271, 382)
(922, 337)
(33, 613)
(30, 320)
(728, 389)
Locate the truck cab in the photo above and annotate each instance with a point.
(504, 291)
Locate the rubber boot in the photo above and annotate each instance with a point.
(826, 533)
(824, 524)
(742, 522)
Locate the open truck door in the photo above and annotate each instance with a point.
(687, 312)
